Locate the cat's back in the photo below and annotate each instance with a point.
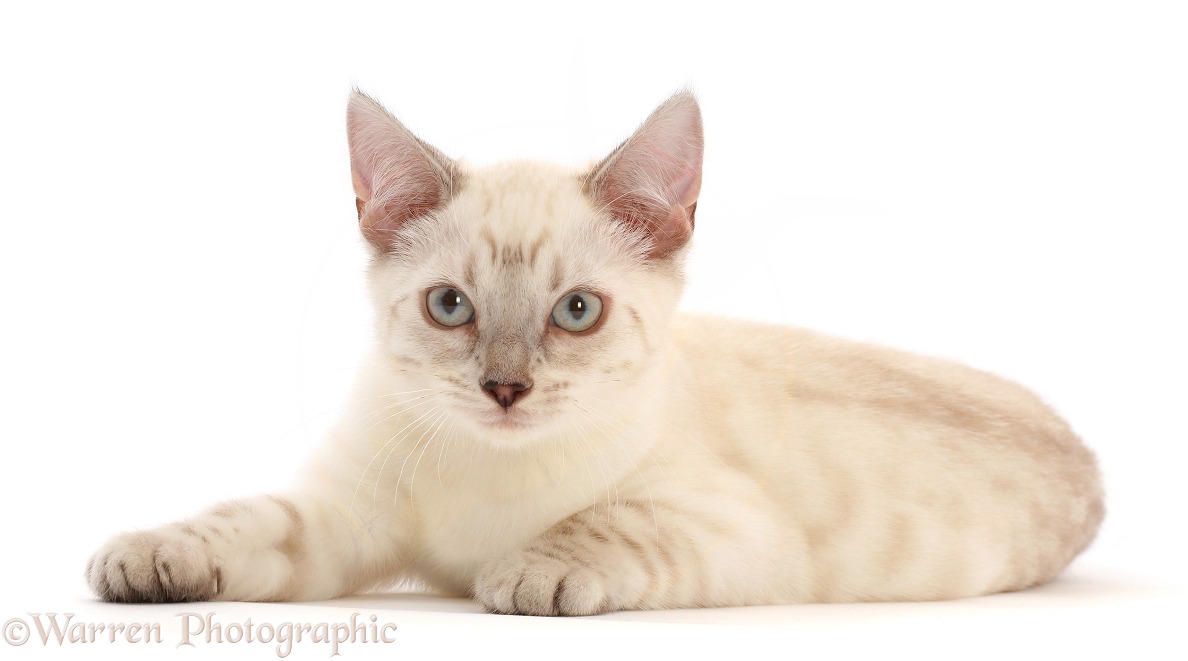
(784, 366)
(860, 442)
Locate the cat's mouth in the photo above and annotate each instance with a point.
(507, 419)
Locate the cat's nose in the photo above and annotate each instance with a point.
(506, 393)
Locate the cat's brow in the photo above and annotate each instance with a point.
(558, 273)
(489, 238)
(512, 253)
(534, 249)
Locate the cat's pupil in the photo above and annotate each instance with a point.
(450, 301)
(577, 307)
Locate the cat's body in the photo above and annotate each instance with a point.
(536, 428)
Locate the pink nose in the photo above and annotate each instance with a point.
(506, 393)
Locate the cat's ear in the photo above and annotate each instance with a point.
(652, 180)
(397, 176)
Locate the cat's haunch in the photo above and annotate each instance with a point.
(539, 429)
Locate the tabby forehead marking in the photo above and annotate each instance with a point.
(511, 253)
(534, 249)
(557, 276)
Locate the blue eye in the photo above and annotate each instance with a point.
(577, 311)
(449, 307)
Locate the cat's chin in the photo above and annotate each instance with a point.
(510, 428)
(509, 421)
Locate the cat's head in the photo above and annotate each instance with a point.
(522, 299)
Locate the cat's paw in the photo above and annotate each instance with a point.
(528, 583)
(153, 566)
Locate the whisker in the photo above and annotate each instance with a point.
(620, 426)
(436, 411)
(590, 476)
(432, 426)
(441, 421)
(363, 475)
(603, 467)
(634, 465)
(407, 392)
(448, 441)
(394, 405)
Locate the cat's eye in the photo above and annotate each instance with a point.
(449, 307)
(577, 311)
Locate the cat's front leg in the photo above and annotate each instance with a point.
(269, 548)
(634, 554)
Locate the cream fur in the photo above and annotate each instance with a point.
(660, 461)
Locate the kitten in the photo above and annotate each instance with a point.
(538, 429)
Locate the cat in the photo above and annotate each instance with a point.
(537, 428)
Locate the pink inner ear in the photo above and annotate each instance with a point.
(361, 179)
(396, 177)
(687, 187)
(651, 183)
(672, 231)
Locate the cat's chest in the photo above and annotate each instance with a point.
(463, 524)
(458, 536)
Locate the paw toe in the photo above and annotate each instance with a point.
(151, 567)
(540, 586)
(580, 593)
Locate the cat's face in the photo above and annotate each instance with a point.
(525, 300)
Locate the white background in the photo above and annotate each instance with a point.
(181, 274)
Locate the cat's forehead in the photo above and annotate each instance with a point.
(524, 228)
(522, 202)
